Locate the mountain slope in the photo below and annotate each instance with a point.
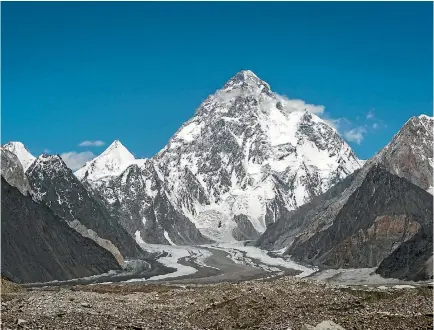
(54, 184)
(337, 229)
(37, 246)
(410, 153)
(143, 207)
(19, 150)
(382, 213)
(13, 172)
(247, 153)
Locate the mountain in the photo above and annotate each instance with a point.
(37, 246)
(55, 185)
(410, 153)
(364, 218)
(19, 150)
(244, 159)
(13, 172)
(112, 162)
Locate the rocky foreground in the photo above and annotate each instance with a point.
(285, 303)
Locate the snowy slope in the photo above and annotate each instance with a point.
(245, 149)
(244, 159)
(24, 156)
(113, 161)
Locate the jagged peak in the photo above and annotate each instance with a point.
(23, 155)
(48, 162)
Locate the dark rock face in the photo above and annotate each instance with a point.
(54, 184)
(371, 215)
(384, 212)
(244, 230)
(412, 260)
(37, 246)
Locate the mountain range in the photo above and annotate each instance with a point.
(249, 165)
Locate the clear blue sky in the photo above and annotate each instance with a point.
(135, 71)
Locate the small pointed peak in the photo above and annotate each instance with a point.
(244, 76)
(117, 147)
(113, 161)
(23, 155)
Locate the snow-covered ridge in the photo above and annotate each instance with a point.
(245, 158)
(23, 155)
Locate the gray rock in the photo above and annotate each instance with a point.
(38, 246)
(21, 322)
(13, 172)
(55, 185)
(370, 215)
(324, 325)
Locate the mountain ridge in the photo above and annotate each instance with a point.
(244, 152)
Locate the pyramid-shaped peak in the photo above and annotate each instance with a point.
(112, 161)
(247, 74)
(246, 78)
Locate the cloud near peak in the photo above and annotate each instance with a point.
(356, 134)
(96, 143)
(75, 160)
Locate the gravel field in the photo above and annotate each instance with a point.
(283, 303)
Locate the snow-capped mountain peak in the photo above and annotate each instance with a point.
(245, 158)
(113, 161)
(245, 78)
(23, 155)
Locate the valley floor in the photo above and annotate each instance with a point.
(283, 303)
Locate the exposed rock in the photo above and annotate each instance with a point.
(21, 322)
(410, 153)
(364, 218)
(13, 172)
(37, 246)
(379, 216)
(54, 184)
(324, 325)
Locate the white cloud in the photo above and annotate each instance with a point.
(75, 160)
(374, 125)
(46, 151)
(370, 114)
(97, 143)
(292, 105)
(355, 135)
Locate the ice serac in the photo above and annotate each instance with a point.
(19, 150)
(370, 216)
(54, 184)
(248, 151)
(37, 246)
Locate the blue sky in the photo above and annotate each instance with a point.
(135, 71)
